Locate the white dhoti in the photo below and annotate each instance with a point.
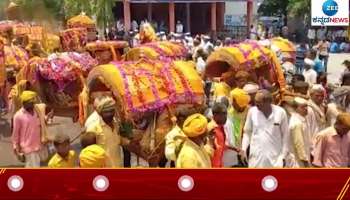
(32, 159)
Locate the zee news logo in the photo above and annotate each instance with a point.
(333, 13)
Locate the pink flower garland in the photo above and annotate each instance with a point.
(128, 97)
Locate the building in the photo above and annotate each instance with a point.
(193, 14)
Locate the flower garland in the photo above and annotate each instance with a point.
(128, 97)
(187, 88)
(164, 73)
(169, 83)
(245, 55)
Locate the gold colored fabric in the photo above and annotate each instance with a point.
(155, 50)
(283, 44)
(105, 45)
(80, 20)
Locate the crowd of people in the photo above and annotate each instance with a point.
(243, 125)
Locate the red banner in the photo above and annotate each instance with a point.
(174, 184)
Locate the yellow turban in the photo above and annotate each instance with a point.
(241, 97)
(344, 118)
(221, 89)
(92, 156)
(195, 125)
(105, 104)
(28, 96)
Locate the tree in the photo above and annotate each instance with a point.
(273, 8)
(300, 8)
(104, 12)
(75, 7)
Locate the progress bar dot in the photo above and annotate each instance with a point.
(100, 183)
(15, 183)
(185, 183)
(269, 183)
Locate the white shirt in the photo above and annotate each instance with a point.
(310, 76)
(200, 65)
(311, 34)
(268, 137)
(134, 25)
(93, 118)
(179, 28)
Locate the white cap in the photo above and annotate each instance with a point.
(309, 62)
(251, 88)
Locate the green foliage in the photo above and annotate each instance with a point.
(65, 9)
(299, 7)
(273, 7)
(75, 7)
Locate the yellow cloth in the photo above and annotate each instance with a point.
(58, 162)
(109, 139)
(93, 156)
(28, 96)
(173, 139)
(241, 97)
(193, 156)
(195, 125)
(15, 96)
(221, 89)
(105, 104)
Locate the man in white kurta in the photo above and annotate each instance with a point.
(266, 131)
(300, 132)
(317, 107)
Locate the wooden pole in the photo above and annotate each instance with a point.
(171, 17)
(149, 12)
(213, 18)
(249, 15)
(127, 15)
(188, 17)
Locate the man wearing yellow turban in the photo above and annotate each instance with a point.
(106, 129)
(237, 113)
(29, 130)
(192, 153)
(92, 155)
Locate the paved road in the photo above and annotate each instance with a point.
(66, 125)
